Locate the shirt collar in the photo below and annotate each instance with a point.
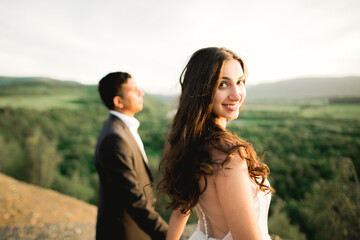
(130, 122)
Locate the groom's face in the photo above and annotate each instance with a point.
(132, 98)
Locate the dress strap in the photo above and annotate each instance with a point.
(205, 223)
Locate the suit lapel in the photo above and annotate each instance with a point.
(132, 142)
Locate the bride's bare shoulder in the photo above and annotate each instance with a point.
(224, 162)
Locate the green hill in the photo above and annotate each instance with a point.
(306, 88)
(6, 81)
(44, 93)
(10, 86)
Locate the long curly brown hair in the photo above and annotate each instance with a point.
(194, 134)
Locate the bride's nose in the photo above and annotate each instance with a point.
(235, 94)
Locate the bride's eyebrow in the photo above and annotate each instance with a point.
(226, 78)
(229, 79)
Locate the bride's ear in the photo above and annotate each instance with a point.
(118, 102)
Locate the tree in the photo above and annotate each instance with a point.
(11, 158)
(43, 158)
(333, 207)
(279, 223)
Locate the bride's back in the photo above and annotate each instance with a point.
(209, 204)
(216, 223)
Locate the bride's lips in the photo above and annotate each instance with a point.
(232, 107)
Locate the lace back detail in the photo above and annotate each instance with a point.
(205, 223)
(227, 236)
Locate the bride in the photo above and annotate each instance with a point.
(205, 166)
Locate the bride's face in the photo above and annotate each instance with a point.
(230, 93)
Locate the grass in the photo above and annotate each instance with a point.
(272, 107)
(293, 110)
(333, 111)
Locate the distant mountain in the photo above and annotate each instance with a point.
(306, 88)
(6, 81)
(11, 86)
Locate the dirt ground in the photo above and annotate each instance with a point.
(28, 212)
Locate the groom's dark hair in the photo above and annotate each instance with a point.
(111, 86)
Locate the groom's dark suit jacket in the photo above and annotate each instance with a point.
(126, 198)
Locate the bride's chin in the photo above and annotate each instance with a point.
(233, 116)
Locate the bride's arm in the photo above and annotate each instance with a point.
(233, 187)
(177, 224)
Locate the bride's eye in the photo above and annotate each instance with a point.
(222, 85)
(241, 82)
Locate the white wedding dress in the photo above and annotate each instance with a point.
(261, 203)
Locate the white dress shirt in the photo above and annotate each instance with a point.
(133, 125)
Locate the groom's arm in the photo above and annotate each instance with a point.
(121, 176)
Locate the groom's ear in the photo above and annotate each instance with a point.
(118, 102)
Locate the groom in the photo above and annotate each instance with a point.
(126, 198)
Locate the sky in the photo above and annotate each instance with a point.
(83, 40)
